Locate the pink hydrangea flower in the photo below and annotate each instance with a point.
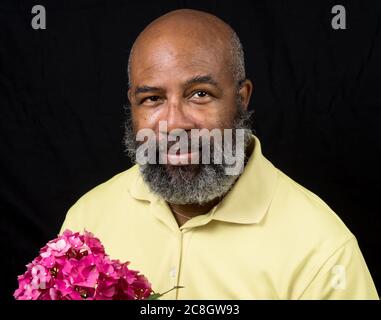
(75, 266)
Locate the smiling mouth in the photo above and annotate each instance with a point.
(179, 159)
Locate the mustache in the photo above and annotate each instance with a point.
(164, 145)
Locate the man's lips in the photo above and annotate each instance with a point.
(182, 154)
(178, 159)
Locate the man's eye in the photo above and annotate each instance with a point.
(151, 99)
(200, 94)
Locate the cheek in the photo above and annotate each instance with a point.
(219, 117)
(142, 118)
(211, 119)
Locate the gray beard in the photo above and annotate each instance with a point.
(193, 183)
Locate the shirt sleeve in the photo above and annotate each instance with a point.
(343, 276)
(73, 219)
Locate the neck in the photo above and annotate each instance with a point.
(183, 213)
(191, 210)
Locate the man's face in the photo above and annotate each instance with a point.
(188, 87)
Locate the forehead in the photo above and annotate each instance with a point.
(177, 58)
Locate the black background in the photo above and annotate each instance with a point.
(317, 101)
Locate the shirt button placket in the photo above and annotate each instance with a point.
(174, 270)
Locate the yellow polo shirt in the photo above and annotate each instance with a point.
(269, 238)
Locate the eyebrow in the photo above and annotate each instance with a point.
(206, 79)
(145, 89)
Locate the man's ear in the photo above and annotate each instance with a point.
(129, 95)
(246, 88)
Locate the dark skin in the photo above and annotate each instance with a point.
(179, 74)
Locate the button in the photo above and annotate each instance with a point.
(172, 272)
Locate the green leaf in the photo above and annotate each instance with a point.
(156, 296)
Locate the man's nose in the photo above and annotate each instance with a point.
(177, 115)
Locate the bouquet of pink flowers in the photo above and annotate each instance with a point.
(75, 266)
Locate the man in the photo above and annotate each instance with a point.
(253, 234)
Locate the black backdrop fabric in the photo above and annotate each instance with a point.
(317, 101)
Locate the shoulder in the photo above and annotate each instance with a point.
(308, 219)
(112, 188)
(315, 238)
(105, 199)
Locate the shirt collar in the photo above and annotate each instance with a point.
(249, 199)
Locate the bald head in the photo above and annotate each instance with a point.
(186, 72)
(190, 29)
